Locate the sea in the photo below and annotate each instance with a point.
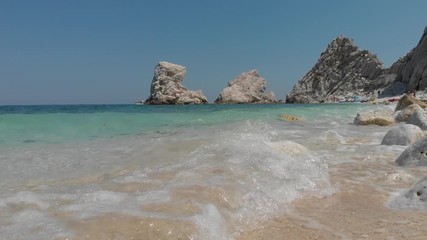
(214, 172)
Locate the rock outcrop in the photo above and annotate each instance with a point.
(412, 68)
(343, 69)
(415, 154)
(166, 87)
(248, 87)
(404, 135)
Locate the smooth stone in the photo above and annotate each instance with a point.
(419, 118)
(403, 135)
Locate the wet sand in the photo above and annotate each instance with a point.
(357, 211)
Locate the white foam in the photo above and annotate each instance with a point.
(268, 175)
(245, 174)
(211, 224)
(101, 202)
(153, 196)
(36, 224)
(28, 198)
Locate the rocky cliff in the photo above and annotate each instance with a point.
(248, 87)
(167, 88)
(343, 69)
(412, 68)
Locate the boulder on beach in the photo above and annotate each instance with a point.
(406, 113)
(419, 118)
(415, 198)
(407, 100)
(248, 87)
(404, 135)
(167, 88)
(380, 118)
(415, 154)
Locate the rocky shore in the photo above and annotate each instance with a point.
(409, 120)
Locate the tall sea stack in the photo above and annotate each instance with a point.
(167, 88)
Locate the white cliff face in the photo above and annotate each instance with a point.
(342, 69)
(167, 88)
(248, 87)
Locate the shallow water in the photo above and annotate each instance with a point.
(190, 172)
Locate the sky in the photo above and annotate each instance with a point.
(90, 51)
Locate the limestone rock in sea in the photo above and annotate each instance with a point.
(415, 154)
(289, 118)
(167, 88)
(415, 198)
(380, 118)
(407, 100)
(419, 118)
(406, 113)
(248, 87)
(342, 70)
(403, 135)
(412, 68)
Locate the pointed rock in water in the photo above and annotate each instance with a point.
(343, 69)
(404, 135)
(248, 87)
(412, 68)
(415, 154)
(415, 198)
(166, 87)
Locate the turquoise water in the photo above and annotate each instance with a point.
(200, 171)
(59, 123)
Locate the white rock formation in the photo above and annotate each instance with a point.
(167, 88)
(248, 87)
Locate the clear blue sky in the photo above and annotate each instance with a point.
(87, 51)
